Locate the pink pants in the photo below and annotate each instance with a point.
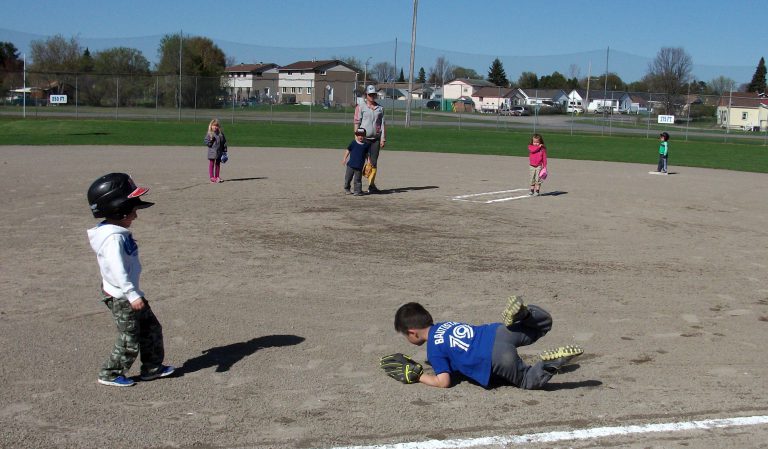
(214, 167)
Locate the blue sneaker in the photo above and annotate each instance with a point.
(119, 381)
(164, 371)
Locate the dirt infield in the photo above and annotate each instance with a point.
(277, 295)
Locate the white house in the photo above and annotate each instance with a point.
(464, 87)
(492, 99)
(593, 99)
(743, 110)
(540, 97)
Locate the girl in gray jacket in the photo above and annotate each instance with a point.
(217, 150)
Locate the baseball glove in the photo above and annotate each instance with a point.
(401, 368)
(367, 169)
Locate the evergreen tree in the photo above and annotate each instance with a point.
(86, 61)
(496, 74)
(401, 78)
(422, 76)
(758, 79)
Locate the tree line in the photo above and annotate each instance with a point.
(62, 65)
(56, 60)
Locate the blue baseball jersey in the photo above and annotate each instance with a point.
(458, 347)
(358, 152)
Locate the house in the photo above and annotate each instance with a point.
(327, 82)
(463, 87)
(492, 99)
(422, 92)
(743, 110)
(591, 100)
(540, 97)
(638, 102)
(251, 81)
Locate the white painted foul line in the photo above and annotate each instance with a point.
(582, 434)
(475, 195)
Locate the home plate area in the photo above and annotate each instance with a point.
(494, 197)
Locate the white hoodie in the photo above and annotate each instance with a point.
(118, 257)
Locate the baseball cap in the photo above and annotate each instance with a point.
(360, 131)
(370, 89)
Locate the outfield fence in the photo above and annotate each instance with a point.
(734, 115)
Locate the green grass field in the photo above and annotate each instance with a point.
(743, 156)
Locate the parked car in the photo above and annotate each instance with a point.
(575, 109)
(518, 111)
(433, 104)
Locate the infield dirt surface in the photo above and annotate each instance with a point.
(277, 294)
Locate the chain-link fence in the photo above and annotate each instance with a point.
(172, 97)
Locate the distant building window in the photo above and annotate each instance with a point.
(744, 115)
(285, 90)
(293, 90)
(322, 72)
(309, 90)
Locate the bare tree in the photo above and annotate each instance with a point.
(441, 72)
(722, 84)
(669, 73)
(574, 71)
(55, 60)
(383, 72)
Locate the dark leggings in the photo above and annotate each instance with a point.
(506, 364)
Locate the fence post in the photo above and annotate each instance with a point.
(157, 94)
(76, 91)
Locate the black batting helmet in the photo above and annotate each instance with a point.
(115, 195)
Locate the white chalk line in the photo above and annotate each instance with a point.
(474, 195)
(582, 434)
(486, 193)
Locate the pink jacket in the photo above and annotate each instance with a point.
(537, 155)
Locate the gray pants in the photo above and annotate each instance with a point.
(506, 364)
(662, 167)
(138, 333)
(353, 176)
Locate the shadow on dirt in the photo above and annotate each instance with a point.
(404, 189)
(554, 193)
(223, 357)
(244, 179)
(554, 386)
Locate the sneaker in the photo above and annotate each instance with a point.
(219, 179)
(213, 179)
(357, 194)
(536, 194)
(530, 193)
(164, 371)
(119, 381)
(515, 311)
(347, 192)
(554, 359)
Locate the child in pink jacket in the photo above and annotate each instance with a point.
(537, 159)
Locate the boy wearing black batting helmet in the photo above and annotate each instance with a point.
(116, 198)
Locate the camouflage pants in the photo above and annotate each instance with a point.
(139, 332)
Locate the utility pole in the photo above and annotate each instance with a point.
(410, 74)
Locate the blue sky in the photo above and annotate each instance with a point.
(723, 38)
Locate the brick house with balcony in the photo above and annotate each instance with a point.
(252, 81)
(327, 82)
